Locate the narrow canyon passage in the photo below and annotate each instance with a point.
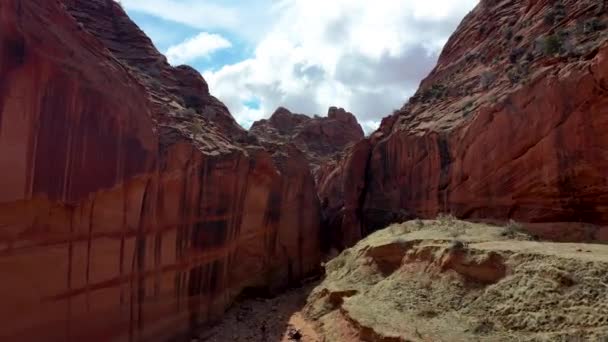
(134, 206)
(266, 319)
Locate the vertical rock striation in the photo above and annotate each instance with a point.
(511, 124)
(132, 206)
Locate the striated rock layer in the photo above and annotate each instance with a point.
(320, 138)
(132, 206)
(511, 124)
(449, 280)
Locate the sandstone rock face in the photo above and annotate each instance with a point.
(414, 282)
(511, 124)
(341, 187)
(131, 205)
(320, 138)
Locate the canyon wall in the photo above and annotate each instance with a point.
(320, 138)
(132, 206)
(511, 124)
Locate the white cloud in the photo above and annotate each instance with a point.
(201, 45)
(366, 56)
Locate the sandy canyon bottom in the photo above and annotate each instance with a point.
(440, 280)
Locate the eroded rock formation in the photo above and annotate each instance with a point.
(511, 124)
(448, 280)
(132, 206)
(320, 138)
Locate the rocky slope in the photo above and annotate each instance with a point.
(511, 124)
(132, 206)
(320, 138)
(450, 280)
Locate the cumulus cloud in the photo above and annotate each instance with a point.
(201, 45)
(365, 56)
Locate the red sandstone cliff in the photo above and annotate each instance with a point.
(320, 138)
(511, 124)
(132, 206)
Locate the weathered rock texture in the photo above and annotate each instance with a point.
(131, 205)
(511, 124)
(449, 280)
(320, 138)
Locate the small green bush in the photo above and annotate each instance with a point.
(437, 91)
(552, 45)
(467, 108)
(513, 76)
(593, 25)
(549, 18)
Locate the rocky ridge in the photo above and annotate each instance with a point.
(320, 138)
(448, 280)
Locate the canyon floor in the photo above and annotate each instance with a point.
(440, 280)
(266, 319)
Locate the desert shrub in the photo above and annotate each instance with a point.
(549, 18)
(427, 312)
(555, 14)
(483, 327)
(529, 57)
(197, 128)
(552, 45)
(560, 11)
(467, 108)
(436, 91)
(512, 229)
(451, 225)
(486, 79)
(458, 245)
(446, 218)
(513, 76)
(483, 29)
(192, 101)
(593, 25)
(516, 54)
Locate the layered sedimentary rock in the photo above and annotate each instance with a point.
(448, 280)
(511, 124)
(341, 186)
(320, 138)
(132, 206)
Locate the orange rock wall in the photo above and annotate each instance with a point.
(502, 128)
(539, 155)
(106, 234)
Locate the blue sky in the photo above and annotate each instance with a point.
(166, 33)
(306, 55)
